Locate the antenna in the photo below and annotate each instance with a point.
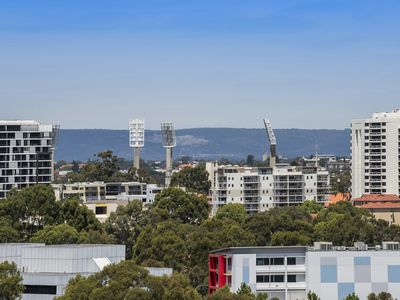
(169, 142)
(136, 140)
(272, 142)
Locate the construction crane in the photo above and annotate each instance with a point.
(272, 143)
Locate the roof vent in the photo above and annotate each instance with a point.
(323, 246)
(360, 246)
(390, 246)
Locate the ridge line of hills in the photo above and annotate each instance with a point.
(204, 143)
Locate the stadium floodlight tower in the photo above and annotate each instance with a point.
(272, 143)
(136, 140)
(169, 142)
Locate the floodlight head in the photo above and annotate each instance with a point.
(136, 133)
(168, 135)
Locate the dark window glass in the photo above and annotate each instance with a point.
(291, 278)
(291, 260)
(41, 289)
(277, 278)
(278, 261)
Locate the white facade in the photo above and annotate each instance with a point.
(46, 270)
(260, 189)
(100, 191)
(375, 154)
(26, 154)
(288, 273)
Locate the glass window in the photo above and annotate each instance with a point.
(277, 261)
(262, 261)
(291, 260)
(291, 278)
(277, 278)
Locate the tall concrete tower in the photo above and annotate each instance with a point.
(136, 140)
(169, 142)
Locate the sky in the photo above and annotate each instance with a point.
(204, 63)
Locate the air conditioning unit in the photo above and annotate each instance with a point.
(361, 246)
(323, 246)
(391, 246)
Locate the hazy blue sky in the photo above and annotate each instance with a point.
(203, 63)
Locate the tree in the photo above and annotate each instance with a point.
(8, 234)
(31, 208)
(312, 296)
(341, 183)
(352, 297)
(381, 296)
(126, 280)
(193, 179)
(78, 216)
(244, 290)
(11, 286)
(183, 206)
(232, 211)
(290, 238)
(312, 207)
(124, 224)
(56, 234)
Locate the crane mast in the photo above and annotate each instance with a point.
(272, 143)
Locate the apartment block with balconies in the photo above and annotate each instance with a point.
(26, 154)
(375, 152)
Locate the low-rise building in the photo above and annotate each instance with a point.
(384, 207)
(46, 270)
(105, 191)
(288, 273)
(260, 189)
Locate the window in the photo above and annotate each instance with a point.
(291, 260)
(101, 210)
(277, 261)
(277, 278)
(262, 278)
(41, 289)
(291, 278)
(262, 261)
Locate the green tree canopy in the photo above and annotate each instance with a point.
(193, 179)
(11, 286)
(183, 206)
(126, 280)
(232, 211)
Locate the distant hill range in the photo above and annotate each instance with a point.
(204, 143)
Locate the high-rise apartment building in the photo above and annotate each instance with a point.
(26, 154)
(375, 145)
(260, 189)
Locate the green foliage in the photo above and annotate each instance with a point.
(344, 224)
(312, 296)
(183, 206)
(30, 209)
(289, 238)
(8, 234)
(232, 211)
(341, 183)
(124, 224)
(312, 207)
(244, 290)
(56, 234)
(380, 296)
(193, 179)
(78, 216)
(352, 297)
(127, 280)
(11, 286)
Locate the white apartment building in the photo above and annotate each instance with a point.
(26, 154)
(260, 189)
(288, 273)
(375, 144)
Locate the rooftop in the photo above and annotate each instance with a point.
(377, 198)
